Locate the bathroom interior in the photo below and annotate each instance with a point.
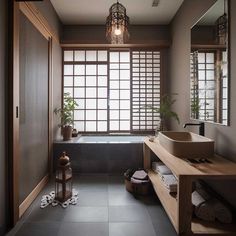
(117, 117)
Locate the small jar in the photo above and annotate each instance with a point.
(63, 160)
(74, 133)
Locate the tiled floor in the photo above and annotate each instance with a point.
(104, 208)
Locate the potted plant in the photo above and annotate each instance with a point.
(66, 115)
(165, 111)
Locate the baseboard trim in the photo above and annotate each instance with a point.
(30, 198)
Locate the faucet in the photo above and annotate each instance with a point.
(201, 127)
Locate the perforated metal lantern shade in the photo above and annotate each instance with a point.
(63, 183)
(117, 24)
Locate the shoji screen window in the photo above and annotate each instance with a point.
(113, 88)
(206, 85)
(145, 89)
(224, 88)
(119, 100)
(86, 79)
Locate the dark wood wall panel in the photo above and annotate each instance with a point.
(33, 161)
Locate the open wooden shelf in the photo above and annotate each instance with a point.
(203, 227)
(179, 209)
(168, 201)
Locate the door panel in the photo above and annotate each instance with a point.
(34, 54)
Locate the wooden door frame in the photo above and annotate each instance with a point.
(41, 24)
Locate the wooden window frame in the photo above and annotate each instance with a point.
(131, 49)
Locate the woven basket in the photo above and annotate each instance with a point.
(142, 189)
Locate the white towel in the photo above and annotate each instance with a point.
(170, 182)
(197, 199)
(164, 170)
(156, 164)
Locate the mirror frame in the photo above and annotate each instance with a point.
(228, 63)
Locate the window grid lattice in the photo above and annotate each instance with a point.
(113, 89)
(87, 84)
(119, 88)
(206, 85)
(145, 89)
(224, 88)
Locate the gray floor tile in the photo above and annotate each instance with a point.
(149, 200)
(104, 208)
(84, 229)
(95, 198)
(86, 214)
(38, 229)
(164, 229)
(116, 183)
(122, 198)
(128, 214)
(91, 183)
(160, 220)
(157, 213)
(47, 214)
(131, 229)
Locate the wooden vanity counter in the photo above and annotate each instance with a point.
(179, 208)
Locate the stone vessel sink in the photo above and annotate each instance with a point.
(186, 144)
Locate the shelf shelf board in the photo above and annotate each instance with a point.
(203, 227)
(168, 201)
(220, 167)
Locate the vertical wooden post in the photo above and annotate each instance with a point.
(184, 205)
(146, 157)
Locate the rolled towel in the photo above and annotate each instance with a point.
(197, 199)
(222, 213)
(170, 182)
(140, 174)
(200, 189)
(203, 209)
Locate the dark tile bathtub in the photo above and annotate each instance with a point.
(102, 154)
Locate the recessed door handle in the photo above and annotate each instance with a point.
(17, 112)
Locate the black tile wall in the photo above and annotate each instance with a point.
(101, 158)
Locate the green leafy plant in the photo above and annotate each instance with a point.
(195, 107)
(164, 109)
(66, 113)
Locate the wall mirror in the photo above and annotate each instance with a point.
(209, 71)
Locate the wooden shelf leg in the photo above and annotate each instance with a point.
(184, 205)
(146, 157)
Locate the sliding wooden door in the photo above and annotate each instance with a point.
(33, 109)
(30, 107)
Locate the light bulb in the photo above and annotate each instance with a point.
(117, 31)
